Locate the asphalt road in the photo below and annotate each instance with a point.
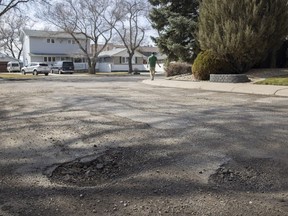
(185, 136)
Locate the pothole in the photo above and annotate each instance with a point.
(112, 165)
(257, 174)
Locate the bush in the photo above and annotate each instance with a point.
(207, 63)
(242, 31)
(177, 68)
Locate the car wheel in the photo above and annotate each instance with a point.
(46, 74)
(35, 73)
(23, 72)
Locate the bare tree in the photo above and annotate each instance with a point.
(131, 25)
(6, 5)
(85, 17)
(10, 27)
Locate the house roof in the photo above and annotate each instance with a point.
(149, 49)
(112, 52)
(48, 54)
(51, 34)
(141, 49)
(6, 58)
(56, 54)
(118, 52)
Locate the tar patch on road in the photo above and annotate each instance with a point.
(255, 175)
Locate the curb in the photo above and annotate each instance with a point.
(246, 88)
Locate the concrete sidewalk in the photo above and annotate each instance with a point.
(248, 88)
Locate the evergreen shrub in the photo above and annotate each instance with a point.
(177, 68)
(207, 63)
(243, 31)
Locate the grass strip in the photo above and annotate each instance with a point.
(274, 81)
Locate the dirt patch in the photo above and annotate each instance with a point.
(256, 174)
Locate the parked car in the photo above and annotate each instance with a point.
(13, 67)
(36, 68)
(61, 67)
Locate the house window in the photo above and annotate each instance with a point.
(78, 60)
(66, 59)
(124, 60)
(50, 40)
(70, 41)
(107, 60)
(49, 59)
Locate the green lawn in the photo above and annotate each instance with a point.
(274, 81)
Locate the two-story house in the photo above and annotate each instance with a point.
(51, 46)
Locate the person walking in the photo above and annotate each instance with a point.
(152, 60)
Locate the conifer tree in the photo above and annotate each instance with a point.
(176, 23)
(242, 31)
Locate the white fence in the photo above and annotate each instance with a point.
(80, 66)
(108, 67)
(122, 67)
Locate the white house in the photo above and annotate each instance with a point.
(117, 60)
(51, 46)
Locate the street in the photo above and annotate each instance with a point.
(92, 145)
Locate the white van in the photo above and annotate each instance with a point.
(13, 67)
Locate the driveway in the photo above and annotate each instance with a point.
(84, 145)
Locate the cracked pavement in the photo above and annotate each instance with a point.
(186, 134)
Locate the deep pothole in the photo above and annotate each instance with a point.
(256, 174)
(112, 165)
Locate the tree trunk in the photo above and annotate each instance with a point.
(91, 66)
(130, 63)
(94, 67)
